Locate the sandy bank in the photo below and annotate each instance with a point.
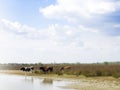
(95, 84)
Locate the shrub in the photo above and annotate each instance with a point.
(116, 75)
(98, 73)
(59, 73)
(37, 72)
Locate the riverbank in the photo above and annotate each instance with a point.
(77, 82)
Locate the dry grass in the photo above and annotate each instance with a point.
(88, 70)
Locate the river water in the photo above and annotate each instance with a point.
(17, 82)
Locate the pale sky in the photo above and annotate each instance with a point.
(61, 31)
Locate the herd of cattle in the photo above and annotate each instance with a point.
(44, 69)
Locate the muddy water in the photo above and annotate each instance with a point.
(16, 82)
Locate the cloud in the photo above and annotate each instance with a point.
(79, 8)
(56, 42)
(95, 15)
(65, 35)
(58, 34)
(23, 30)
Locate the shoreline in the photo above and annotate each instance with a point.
(77, 83)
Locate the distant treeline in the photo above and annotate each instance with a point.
(88, 70)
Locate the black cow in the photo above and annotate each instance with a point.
(46, 69)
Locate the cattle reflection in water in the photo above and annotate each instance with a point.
(29, 79)
(47, 81)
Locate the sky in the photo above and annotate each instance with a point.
(59, 31)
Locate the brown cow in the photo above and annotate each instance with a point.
(65, 68)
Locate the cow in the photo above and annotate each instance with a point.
(65, 68)
(46, 69)
(27, 69)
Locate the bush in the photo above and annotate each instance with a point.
(59, 73)
(116, 75)
(98, 73)
(37, 72)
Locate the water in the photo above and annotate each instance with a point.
(16, 82)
